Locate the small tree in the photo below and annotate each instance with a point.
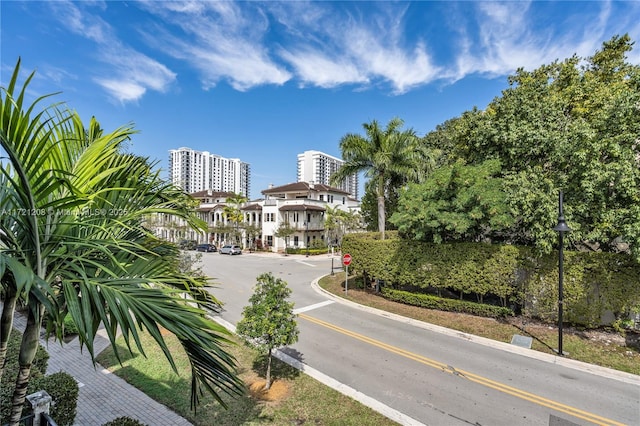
(269, 322)
(285, 230)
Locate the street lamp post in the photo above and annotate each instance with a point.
(561, 228)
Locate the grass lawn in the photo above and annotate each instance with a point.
(296, 398)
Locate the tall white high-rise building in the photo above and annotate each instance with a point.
(196, 171)
(317, 167)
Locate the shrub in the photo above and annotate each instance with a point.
(63, 389)
(444, 304)
(124, 421)
(8, 380)
(599, 288)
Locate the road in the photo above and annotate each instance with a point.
(416, 373)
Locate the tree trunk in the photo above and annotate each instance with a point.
(267, 385)
(381, 216)
(28, 348)
(6, 324)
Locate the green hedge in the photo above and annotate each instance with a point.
(443, 304)
(62, 387)
(312, 251)
(10, 372)
(124, 421)
(596, 285)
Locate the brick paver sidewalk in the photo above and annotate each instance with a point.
(103, 396)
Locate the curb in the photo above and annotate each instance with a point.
(553, 359)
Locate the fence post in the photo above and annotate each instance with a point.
(40, 403)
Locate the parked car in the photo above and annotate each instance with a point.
(230, 249)
(207, 248)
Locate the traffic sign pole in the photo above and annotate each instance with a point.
(346, 279)
(346, 261)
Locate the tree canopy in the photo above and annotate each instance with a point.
(572, 125)
(386, 155)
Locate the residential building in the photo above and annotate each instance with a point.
(196, 171)
(301, 205)
(317, 167)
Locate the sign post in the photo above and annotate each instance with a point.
(346, 261)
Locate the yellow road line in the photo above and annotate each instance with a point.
(536, 399)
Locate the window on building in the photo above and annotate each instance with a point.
(270, 240)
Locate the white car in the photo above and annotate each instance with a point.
(230, 249)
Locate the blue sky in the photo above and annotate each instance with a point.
(265, 81)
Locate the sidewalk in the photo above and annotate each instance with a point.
(103, 396)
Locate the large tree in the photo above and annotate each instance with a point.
(572, 125)
(458, 202)
(386, 156)
(73, 241)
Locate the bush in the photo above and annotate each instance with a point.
(444, 304)
(8, 380)
(599, 288)
(63, 389)
(124, 421)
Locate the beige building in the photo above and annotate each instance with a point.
(301, 205)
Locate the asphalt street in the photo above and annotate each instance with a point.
(416, 373)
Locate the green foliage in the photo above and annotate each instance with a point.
(457, 202)
(369, 207)
(570, 125)
(337, 223)
(443, 304)
(285, 230)
(63, 389)
(303, 250)
(594, 282)
(268, 322)
(76, 242)
(389, 157)
(124, 421)
(8, 379)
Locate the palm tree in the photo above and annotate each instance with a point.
(338, 222)
(384, 155)
(73, 241)
(233, 213)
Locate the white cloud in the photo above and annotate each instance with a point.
(220, 40)
(508, 38)
(123, 90)
(321, 70)
(326, 45)
(126, 74)
(329, 49)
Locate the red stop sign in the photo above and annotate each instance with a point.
(346, 259)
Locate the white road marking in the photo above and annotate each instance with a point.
(311, 307)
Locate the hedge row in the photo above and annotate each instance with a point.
(599, 288)
(443, 304)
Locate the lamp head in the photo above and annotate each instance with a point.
(562, 225)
